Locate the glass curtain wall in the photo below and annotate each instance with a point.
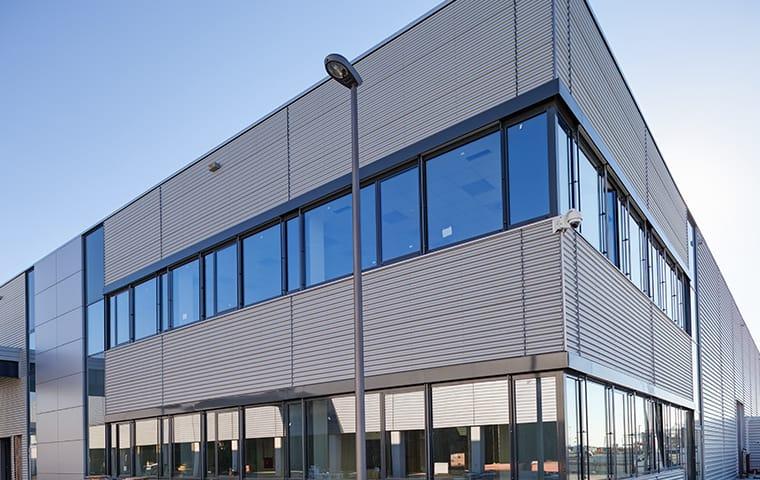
(186, 446)
(265, 442)
(222, 444)
(146, 448)
(405, 449)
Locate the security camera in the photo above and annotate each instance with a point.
(570, 219)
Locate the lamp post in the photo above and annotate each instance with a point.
(344, 73)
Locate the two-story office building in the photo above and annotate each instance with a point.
(204, 330)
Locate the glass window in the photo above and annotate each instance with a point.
(146, 309)
(564, 178)
(119, 318)
(294, 253)
(368, 207)
(464, 192)
(327, 233)
(264, 442)
(471, 430)
(527, 427)
(187, 446)
(165, 317)
(96, 325)
(573, 427)
(638, 258)
(405, 450)
(620, 446)
(94, 265)
(589, 200)
(166, 454)
(221, 279)
(528, 172)
(331, 437)
(611, 227)
(400, 214)
(146, 448)
(222, 434)
(642, 440)
(262, 265)
(185, 294)
(124, 449)
(295, 439)
(96, 452)
(597, 451)
(549, 427)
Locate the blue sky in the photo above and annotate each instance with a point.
(101, 100)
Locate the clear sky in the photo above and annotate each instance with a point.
(101, 100)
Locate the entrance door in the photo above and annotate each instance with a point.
(740, 435)
(5, 459)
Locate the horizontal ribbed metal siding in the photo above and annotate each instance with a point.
(247, 351)
(562, 41)
(717, 390)
(253, 178)
(664, 201)
(132, 237)
(614, 326)
(323, 334)
(477, 301)
(13, 334)
(535, 62)
(414, 87)
(672, 355)
(133, 376)
(753, 441)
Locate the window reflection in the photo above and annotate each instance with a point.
(464, 192)
(146, 308)
(96, 452)
(222, 437)
(294, 253)
(221, 280)
(589, 199)
(124, 450)
(620, 444)
(295, 438)
(119, 318)
(146, 448)
(596, 451)
(471, 430)
(537, 455)
(96, 335)
(264, 442)
(185, 294)
(187, 446)
(564, 168)
(405, 434)
(573, 428)
(262, 265)
(528, 169)
(400, 214)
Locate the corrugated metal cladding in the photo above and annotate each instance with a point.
(454, 64)
(595, 81)
(13, 334)
(729, 368)
(495, 297)
(610, 322)
(13, 390)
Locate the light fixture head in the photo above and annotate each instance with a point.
(341, 70)
(214, 166)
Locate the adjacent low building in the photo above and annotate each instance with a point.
(204, 330)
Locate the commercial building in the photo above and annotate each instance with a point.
(204, 330)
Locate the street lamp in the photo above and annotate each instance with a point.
(344, 73)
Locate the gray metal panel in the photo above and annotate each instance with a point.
(476, 301)
(753, 441)
(672, 355)
(535, 48)
(132, 237)
(244, 352)
(13, 335)
(323, 333)
(562, 41)
(133, 376)
(253, 177)
(454, 64)
(664, 201)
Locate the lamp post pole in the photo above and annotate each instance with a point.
(361, 454)
(344, 73)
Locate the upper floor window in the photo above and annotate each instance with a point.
(262, 265)
(94, 265)
(464, 192)
(146, 308)
(400, 214)
(293, 254)
(96, 335)
(589, 204)
(528, 170)
(564, 146)
(118, 315)
(185, 281)
(221, 280)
